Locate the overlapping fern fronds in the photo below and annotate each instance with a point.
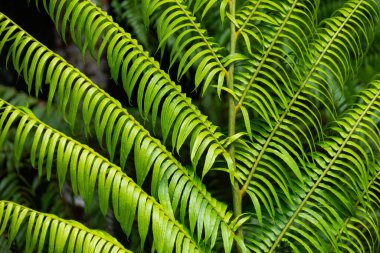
(364, 223)
(88, 169)
(347, 170)
(300, 152)
(299, 119)
(191, 41)
(130, 63)
(60, 235)
(133, 136)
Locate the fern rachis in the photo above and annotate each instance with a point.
(302, 166)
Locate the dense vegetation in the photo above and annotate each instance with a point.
(236, 126)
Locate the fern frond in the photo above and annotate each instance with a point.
(344, 170)
(300, 120)
(204, 6)
(279, 52)
(47, 229)
(192, 41)
(301, 155)
(88, 169)
(127, 58)
(126, 134)
(17, 177)
(360, 232)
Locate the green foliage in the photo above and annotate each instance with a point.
(59, 231)
(295, 169)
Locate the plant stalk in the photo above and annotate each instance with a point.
(237, 198)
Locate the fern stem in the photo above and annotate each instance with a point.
(237, 198)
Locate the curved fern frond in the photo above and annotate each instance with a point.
(345, 170)
(280, 48)
(47, 229)
(88, 169)
(191, 42)
(126, 134)
(264, 22)
(361, 231)
(17, 176)
(300, 120)
(127, 58)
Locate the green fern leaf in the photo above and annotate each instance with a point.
(60, 235)
(266, 84)
(88, 169)
(192, 41)
(349, 162)
(121, 49)
(298, 166)
(131, 133)
(300, 112)
(350, 237)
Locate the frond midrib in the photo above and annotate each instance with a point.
(326, 170)
(183, 97)
(263, 60)
(248, 18)
(295, 97)
(203, 38)
(111, 166)
(210, 200)
(357, 203)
